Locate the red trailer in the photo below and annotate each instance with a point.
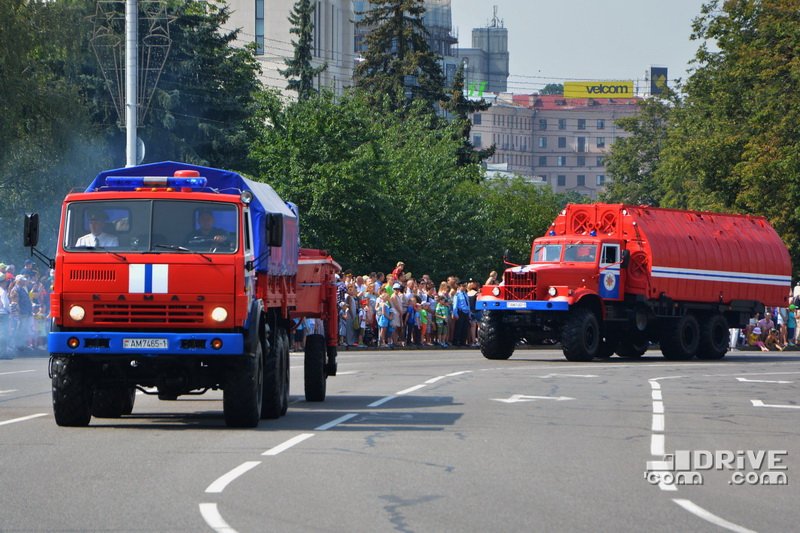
(611, 278)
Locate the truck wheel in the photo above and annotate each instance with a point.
(71, 394)
(314, 368)
(242, 394)
(274, 383)
(680, 338)
(580, 336)
(714, 338)
(497, 340)
(632, 348)
(130, 400)
(111, 403)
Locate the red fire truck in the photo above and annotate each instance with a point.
(177, 279)
(612, 278)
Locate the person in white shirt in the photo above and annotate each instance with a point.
(97, 237)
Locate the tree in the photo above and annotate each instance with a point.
(398, 59)
(299, 70)
(461, 107)
(552, 88)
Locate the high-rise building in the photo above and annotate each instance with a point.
(266, 23)
(486, 63)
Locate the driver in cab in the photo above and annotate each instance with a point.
(206, 234)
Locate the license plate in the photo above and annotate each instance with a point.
(516, 305)
(148, 344)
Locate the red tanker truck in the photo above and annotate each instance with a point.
(177, 279)
(611, 278)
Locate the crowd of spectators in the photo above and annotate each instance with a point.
(24, 308)
(776, 330)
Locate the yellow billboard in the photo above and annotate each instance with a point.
(598, 89)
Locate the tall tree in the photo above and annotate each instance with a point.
(553, 88)
(299, 70)
(398, 65)
(461, 107)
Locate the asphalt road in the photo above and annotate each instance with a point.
(422, 441)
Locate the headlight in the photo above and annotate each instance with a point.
(77, 313)
(552, 291)
(496, 291)
(219, 314)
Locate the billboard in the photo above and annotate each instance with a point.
(598, 89)
(658, 80)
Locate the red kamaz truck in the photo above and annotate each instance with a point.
(177, 279)
(612, 278)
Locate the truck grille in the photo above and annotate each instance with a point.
(520, 285)
(88, 274)
(122, 313)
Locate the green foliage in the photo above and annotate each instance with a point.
(298, 70)
(460, 107)
(552, 88)
(398, 58)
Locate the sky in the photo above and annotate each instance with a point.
(552, 41)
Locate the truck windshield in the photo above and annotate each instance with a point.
(160, 226)
(546, 253)
(580, 253)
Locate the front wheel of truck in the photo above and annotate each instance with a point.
(275, 375)
(497, 340)
(72, 396)
(314, 368)
(580, 335)
(241, 396)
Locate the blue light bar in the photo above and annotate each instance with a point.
(133, 182)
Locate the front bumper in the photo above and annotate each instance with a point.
(111, 343)
(521, 305)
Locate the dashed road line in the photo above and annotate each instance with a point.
(288, 444)
(8, 391)
(760, 403)
(334, 423)
(745, 380)
(211, 515)
(410, 389)
(22, 419)
(16, 372)
(710, 517)
(382, 401)
(219, 485)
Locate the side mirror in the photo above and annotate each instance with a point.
(626, 258)
(30, 235)
(505, 255)
(274, 229)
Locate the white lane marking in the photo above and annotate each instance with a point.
(454, 374)
(657, 444)
(16, 372)
(214, 520)
(762, 381)
(434, 380)
(523, 398)
(566, 376)
(658, 407)
(288, 444)
(7, 391)
(709, 517)
(348, 373)
(219, 485)
(22, 419)
(382, 401)
(410, 389)
(657, 395)
(333, 423)
(658, 423)
(759, 403)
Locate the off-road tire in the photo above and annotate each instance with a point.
(580, 335)
(497, 340)
(680, 338)
(242, 394)
(632, 347)
(130, 400)
(111, 403)
(714, 338)
(314, 368)
(274, 381)
(71, 393)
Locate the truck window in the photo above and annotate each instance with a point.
(546, 253)
(610, 254)
(580, 253)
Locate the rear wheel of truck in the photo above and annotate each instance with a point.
(714, 338)
(680, 338)
(71, 394)
(274, 375)
(242, 395)
(285, 358)
(112, 403)
(314, 368)
(580, 336)
(632, 347)
(607, 346)
(497, 340)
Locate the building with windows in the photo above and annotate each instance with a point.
(266, 23)
(486, 63)
(555, 140)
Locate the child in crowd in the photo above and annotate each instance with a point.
(362, 320)
(384, 312)
(344, 319)
(773, 341)
(442, 317)
(423, 323)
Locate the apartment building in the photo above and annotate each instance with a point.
(266, 23)
(559, 141)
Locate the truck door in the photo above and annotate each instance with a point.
(249, 257)
(610, 272)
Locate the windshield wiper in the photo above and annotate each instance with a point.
(103, 248)
(177, 248)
